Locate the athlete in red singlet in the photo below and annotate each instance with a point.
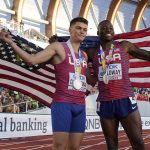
(68, 107)
(65, 81)
(116, 102)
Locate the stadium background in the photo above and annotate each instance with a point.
(37, 20)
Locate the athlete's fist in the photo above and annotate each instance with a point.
(5, 36)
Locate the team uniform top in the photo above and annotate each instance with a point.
(119, 85)
(64, 72)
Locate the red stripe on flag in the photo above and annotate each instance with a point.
(139, 64)
(13, 70)
(143, 85)
(28, 84)
(139, 75)
(139, 33)
(143, 44)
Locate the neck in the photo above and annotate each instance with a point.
(106, 45)
(75, 45)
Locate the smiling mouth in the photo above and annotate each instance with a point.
(108, 35)
(82, 36)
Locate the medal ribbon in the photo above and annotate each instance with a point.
(105, 61)
(76, 67)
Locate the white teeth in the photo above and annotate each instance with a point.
(108, 34)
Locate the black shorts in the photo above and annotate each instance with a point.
(118, 108)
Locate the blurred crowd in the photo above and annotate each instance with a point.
(142, 94)
(16, 102)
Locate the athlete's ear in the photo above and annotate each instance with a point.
(70, 30)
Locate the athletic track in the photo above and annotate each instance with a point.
(91, 141)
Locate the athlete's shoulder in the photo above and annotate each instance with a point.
(125, 43)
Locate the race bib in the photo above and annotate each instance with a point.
(72, 78)
(133, 100)
(114, 72)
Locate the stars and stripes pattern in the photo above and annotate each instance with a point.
(38, 81)
(139, 71)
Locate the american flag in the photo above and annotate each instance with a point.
(38, 81)
(139, 71)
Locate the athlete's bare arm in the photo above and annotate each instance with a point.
(51, 51)
(91, 76)
(135, 51)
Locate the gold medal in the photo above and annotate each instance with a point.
(106, 59)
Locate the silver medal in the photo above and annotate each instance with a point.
(77, 84)
(105, 78)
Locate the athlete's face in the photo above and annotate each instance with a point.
(78, 31)
(105, 30)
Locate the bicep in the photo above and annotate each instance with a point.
(128, 46)
(45, 55)
(136, 52)
(140, 54)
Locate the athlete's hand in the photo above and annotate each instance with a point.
(5, 36)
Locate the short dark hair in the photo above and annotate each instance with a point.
(103, 22)
(78, 19)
